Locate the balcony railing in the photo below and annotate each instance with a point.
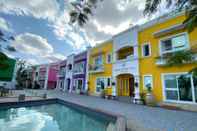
(42, 77)
(128, 58)
(61, 73)
(162, 60)
(96, 68)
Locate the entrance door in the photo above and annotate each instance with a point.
(125, 85)
(79, 84)
(68, 84)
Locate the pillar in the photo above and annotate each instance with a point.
(137, 90)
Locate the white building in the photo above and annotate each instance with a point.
(69, 73)
(126, 64)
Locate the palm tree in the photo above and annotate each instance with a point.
(3, 57)
(4, 38)
(81, 12)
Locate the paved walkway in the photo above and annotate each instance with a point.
(139, 118)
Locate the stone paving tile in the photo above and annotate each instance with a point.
(139, 117)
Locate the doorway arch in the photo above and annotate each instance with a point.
(125, 85)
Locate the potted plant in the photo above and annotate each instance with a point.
(102, 93)
(78, 91)
(149, 98)
(143, 97)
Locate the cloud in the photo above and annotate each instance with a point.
(109, 18)
(32, 44)
(45, 9)
(37, 47)
(4, 25)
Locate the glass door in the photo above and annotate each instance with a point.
(185, 88)
(195, 88)
(180, 87)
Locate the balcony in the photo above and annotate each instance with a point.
(61, 74)
(96, 68)
(162, 60)
(42, 77)
(127, 65)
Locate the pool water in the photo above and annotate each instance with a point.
(52, 117)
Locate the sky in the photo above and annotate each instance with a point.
(43, 33)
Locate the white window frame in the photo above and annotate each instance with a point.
(76, 82)
(107, 58)
(97, 57)
(105, 82)
(177, 101)
(148, 75)
(82, 72)
(142, 48)
(170, 37)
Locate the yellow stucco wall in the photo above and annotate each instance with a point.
(104, 48)
(148, 66)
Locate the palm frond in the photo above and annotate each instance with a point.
(87, 10)
(73, 16)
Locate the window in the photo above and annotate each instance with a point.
(108, 82)
(109, 58)
(146, 50)
(102, 83)
(79, 84)
(70, 67)
(98, 60)
(173, 44)
(180, 87)
(79, 68)
(148, 82)
(125, 53)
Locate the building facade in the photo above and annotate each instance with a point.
(79, 72)
(126, 64)
(100, 68)
(69, 74)
(8, 69)
(159, 39)
(61, 76)
(46, 75)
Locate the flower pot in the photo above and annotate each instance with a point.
(21, 97)
(102, 94)
(150, 99)
(78, 91)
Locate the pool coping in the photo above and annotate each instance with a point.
(119, 120)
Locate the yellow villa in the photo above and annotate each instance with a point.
(157, 39)
(100, 68)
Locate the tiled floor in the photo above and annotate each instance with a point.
(139, 118)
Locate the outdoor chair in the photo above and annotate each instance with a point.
(4, 91)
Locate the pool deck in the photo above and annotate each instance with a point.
(138, 117)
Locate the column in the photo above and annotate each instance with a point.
(114, 94)
(46, 77)
(137, 90)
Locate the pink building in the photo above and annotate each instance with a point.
(46, 75)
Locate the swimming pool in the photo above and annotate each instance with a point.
(53, 117)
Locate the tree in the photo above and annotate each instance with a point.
(82, 10)
(81, 16)
(21, 73)
(4, 38)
